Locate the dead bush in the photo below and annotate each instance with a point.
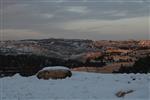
(123, 93)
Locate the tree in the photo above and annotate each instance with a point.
(140, 66)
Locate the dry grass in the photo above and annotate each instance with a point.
(105, 69)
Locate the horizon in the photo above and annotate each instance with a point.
(76, 39)
(71, 19)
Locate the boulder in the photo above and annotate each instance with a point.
(54, 73)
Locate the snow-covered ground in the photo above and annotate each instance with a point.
(81, 86)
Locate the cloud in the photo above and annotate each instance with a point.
(122, 26)
(77, 9)
(47, 15)
(12, 34)
(74, 18)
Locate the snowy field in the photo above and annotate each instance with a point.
(81, 86)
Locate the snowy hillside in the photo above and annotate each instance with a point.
(81, 86)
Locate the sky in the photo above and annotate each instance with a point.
(74, 19)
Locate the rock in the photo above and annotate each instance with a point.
(54, 73)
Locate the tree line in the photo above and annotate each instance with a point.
(141, 66)
(27, 65)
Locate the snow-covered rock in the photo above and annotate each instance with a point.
(58, 72)
(55, 68)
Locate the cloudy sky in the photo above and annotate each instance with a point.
(80, 19)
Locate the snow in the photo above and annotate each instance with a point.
(55, 68)
(81, 86)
